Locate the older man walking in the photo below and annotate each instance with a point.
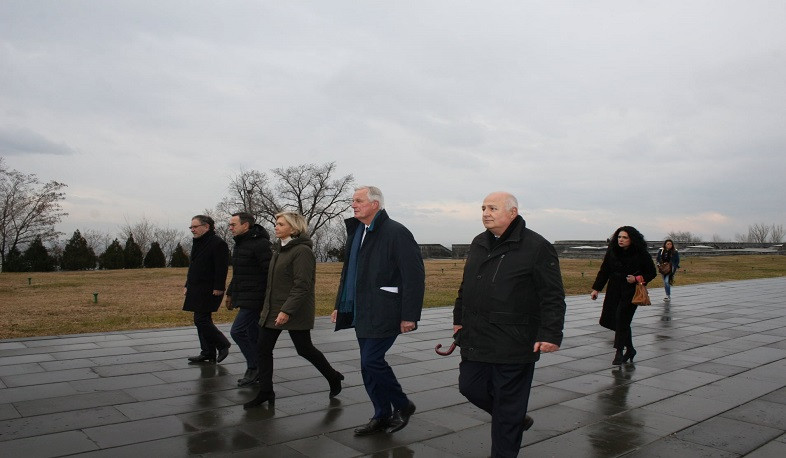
(510, 308)
(381, 295)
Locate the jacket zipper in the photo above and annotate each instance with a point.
(494, 278)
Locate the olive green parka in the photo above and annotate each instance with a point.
(290, 285)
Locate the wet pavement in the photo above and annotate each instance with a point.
(709, 379)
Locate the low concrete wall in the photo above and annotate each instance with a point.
(595, 249)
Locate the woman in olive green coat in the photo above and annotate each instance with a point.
(289, 305)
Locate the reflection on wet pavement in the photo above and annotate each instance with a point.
(709, 379)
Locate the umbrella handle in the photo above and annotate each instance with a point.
(445, 352)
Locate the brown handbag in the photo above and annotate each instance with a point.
(665, 268)
(641, 297)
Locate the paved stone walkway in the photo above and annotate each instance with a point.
(709, 380)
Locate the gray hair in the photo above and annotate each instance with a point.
(204, 219)
(374, 194)
(511, 202)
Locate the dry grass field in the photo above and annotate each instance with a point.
(39, 304)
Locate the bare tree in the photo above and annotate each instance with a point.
(221, 216)
(683, 237)
(98, 241)
(249, 192)
(310, 189)
(758, 233)
(28, 209)
(717, 239)
(776, 233)
(168, 239)
(142, 231)
(334, 241)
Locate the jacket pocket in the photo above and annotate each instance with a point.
(515, 329)
(385, 311)
(508, 318)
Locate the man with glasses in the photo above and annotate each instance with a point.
(205, 285)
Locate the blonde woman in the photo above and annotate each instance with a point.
(289, 305)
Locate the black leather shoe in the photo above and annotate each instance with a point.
(222, 354)
(375, 425)
(335, 385)
(629, 355)
(262, 397)
(528, 422)
(618, 358)
(251, 376)
(201, 358)
(400, 418)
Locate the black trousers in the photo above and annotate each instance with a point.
(210, 338)
(302, 340)
(623, 336)
(502, 390)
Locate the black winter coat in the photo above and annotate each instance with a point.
(618, 264)
(207, 271)
(389, 257)
(250, 262)
(511, 296)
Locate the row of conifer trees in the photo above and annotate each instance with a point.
(78, 255)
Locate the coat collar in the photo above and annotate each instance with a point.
(377, 222)
(511, 236)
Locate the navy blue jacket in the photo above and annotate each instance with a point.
(389, 257)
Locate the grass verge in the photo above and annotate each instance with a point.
(57, 303)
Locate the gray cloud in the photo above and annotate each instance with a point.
(24, 141)
(663, 115)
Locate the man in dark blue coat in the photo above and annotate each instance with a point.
(204, 288)
(381, 295)
(246, 292)
(510, 308)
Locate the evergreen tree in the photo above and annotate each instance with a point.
(155, 256)
(179, 257)
(113, 257)
(77, 255)
(133, 254)
(14, 261)
(37, 258)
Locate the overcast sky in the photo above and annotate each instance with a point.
(664, 115)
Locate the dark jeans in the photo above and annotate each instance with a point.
(304, 347)
(502, 390)
(210, 338)
(381, 384)
(245, 333)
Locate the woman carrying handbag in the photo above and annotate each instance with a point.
(626, 258)
(668, 263)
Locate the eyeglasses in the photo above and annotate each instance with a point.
(194, 227)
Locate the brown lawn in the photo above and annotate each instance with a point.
(39, 304)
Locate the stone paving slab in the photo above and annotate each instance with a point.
(709, 379)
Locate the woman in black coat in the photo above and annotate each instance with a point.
(627, 261)
(205, 285)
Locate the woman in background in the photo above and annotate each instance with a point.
(668, 263)
(627, 262)
(289, 305)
